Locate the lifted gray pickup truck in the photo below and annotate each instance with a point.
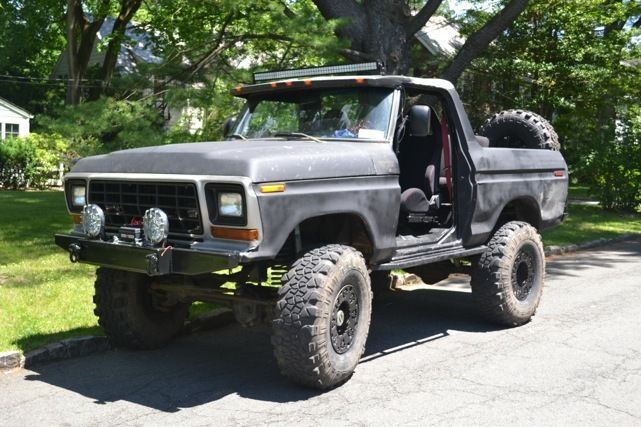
(324, 185)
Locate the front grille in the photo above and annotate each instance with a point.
(125, 202)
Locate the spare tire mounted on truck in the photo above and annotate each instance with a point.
(520, 129)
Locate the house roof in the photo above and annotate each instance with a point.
(14, 108)
(440, 37)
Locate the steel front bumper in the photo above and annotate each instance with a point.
(151, 261)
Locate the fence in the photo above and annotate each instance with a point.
(55, 179)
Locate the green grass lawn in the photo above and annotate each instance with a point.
(45, 298)
(587, 223)
(579, 192)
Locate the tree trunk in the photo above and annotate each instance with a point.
(378, 29)
(81, 37)
(387, 38)
(128, 9)
(73, 22)
(385, 29)
(481, 39)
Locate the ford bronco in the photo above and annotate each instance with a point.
(328, 179)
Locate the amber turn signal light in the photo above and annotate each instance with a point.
(272, 188)
(247, 234)
(76, 219)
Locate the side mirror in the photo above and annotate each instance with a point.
(228, 126)
(420, 119)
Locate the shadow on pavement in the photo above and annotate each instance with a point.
(202, 368)
(572, 265)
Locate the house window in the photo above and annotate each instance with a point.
(11, 130)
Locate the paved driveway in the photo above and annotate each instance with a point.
(429, 360)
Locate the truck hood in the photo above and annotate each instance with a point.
(260, 160)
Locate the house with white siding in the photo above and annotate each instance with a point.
(14, 121)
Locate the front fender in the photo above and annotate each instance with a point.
(375, 199)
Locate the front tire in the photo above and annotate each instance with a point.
(128, 313)
(322, 317)
(507, 280)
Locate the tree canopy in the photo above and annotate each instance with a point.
(576, 62)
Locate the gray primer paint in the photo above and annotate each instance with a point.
(260, 160)
(504, 175)
(374, 199)
(360, 177)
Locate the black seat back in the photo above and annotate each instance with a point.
(420, 155)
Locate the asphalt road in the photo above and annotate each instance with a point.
(429, 360)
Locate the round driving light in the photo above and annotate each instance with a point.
(155, 225)
(93, 220)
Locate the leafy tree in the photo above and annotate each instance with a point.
(575, 62)
(616, 166)
(384, 29)
(81, 31)
(566, 58)
(209, 46)
(31, 38)
(106, 125)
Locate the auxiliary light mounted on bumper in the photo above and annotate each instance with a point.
(142, 254)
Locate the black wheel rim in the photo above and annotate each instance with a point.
(344, 320)
(524, 273)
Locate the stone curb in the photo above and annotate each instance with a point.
(86, 345)
(560, 250)
(66, 349)
(11, 360)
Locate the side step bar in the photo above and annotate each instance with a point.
(414, 256)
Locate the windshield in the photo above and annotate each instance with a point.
(350, 113)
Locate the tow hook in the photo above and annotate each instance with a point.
(159, 263)
(152, 264)
(74, 252)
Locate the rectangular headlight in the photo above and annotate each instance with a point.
(226, 204)
(230, 204)
(78, 195)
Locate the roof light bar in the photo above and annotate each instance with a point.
(365, 67)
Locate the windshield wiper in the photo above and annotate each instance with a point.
(237, 135)
(298, 135)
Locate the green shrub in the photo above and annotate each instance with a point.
(51, 151)
(30, 161)
(615, 168)
(107, 125)
(17, 160)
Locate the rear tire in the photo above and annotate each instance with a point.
(322, 317)
(127, 313)
(520, 129)
(507, 280)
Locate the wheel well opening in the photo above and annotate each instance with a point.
(524, 209)
(344, 228)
